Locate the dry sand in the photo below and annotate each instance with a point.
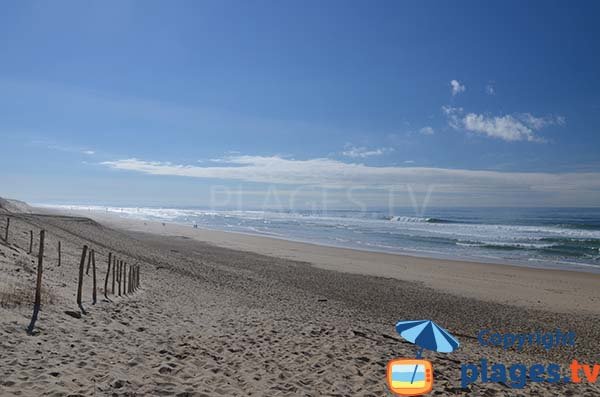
(216, 316)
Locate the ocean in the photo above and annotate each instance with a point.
(559, 238)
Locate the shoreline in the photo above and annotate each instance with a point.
(481, 258)
(540, 288)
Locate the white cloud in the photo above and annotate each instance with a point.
(330, 173)
(453, 115)
(456, 87)
(505, 127)
(427, 130)
(541, 122)
(66, 148)
(511, 128)
(449, 110)
(363, 152)
(490, 89)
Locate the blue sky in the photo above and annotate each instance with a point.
(161, 103)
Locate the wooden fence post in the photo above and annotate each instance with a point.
(130, 280)
(125, 279)
(94, 296)
(38, 286)
(7, 227)
(117, 270)
(59, 253)
(119, 275)
(80, 284)
(106, 279)
(89, 262)
(114, 270)
(30, 241)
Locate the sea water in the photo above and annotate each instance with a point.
(565, 238)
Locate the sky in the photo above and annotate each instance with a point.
(300, 103)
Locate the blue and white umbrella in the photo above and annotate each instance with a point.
(427, 335)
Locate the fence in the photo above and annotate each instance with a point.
(128, 283)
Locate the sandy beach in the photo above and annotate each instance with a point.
(232, 314)
(547, 289)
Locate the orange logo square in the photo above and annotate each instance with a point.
(409, 377)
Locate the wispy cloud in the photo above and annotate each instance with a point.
(541, 122)
(331, 173)
(456, 87)
(67, 148)
(504, 127)
(427, 130)
(510, 128)
(363, 152)
(454, 115)
(490, 89)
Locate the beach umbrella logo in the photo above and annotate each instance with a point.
(414, 377)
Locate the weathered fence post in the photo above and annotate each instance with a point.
(7, 227)
(106, 279)
(114, 270)
(59, 253)
(89, 262)
(130, 280)
(119, 275)
(117, 269)
(94, 296)
(30, 241)
(125, 279)
(38, 286)
(80, 284)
